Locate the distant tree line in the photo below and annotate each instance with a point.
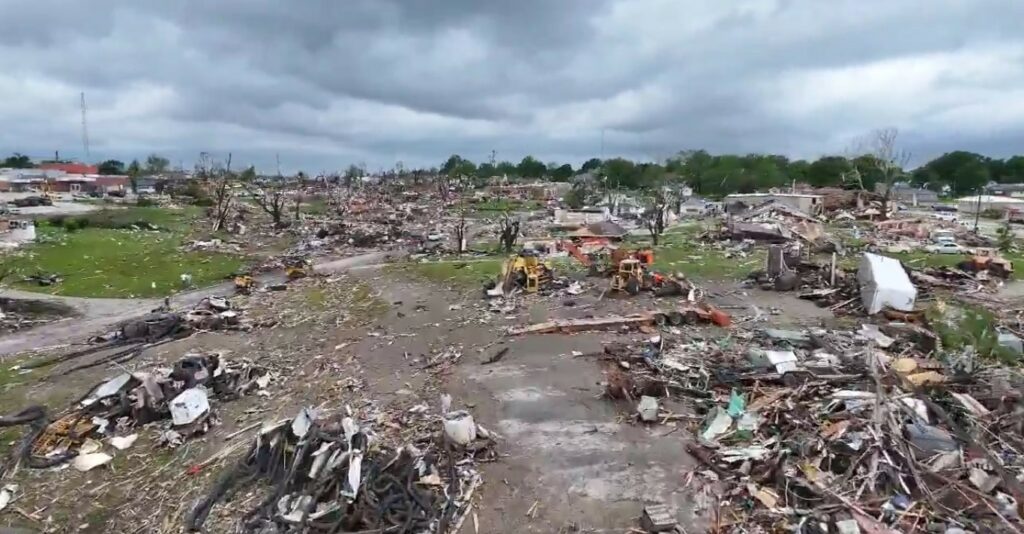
(712, 175)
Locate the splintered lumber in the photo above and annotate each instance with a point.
(581, 325)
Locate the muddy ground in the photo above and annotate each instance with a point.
(576, 461)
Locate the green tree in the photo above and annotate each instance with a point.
(111, 166)
(927, 178)
(828, 171)
(247, 176)
(798, 171)
(451, 164)
(1013, 170)
(592, 164)
(530, 167)
(962, 170)
(156, 164)
(1004, 237)
(576, 198)
(17, 161)
(869, 171)
(462, 168)
(692, 167)
(560, 173)
(651, 176)
(134, 171)
(506, 168)
(622, 173)
(486, 170)
(970, 177)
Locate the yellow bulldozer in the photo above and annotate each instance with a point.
(525, 271)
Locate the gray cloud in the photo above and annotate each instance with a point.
(329, 83)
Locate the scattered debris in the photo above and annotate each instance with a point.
(342, 478)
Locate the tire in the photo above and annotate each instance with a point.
(633, 286)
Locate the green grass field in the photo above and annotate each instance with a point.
(469, 273)
(102, 260)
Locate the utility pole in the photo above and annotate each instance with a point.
(85, 130)
(977, 212)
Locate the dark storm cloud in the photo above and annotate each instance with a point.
(327, 83)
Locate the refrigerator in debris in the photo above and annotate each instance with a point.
(884, 283)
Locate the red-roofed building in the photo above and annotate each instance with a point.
(71, 168)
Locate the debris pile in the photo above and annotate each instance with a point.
(178, 399)
(830, 431)
(20, 314)
(332, 473)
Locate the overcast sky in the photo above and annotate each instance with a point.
(328, 83)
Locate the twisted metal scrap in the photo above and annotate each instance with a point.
(387, 499)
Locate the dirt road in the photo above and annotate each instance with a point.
(96, 315)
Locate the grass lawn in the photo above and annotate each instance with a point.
(100, 261)
(705, 263)
(470, 273)
(678, 250)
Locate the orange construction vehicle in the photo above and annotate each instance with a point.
(633, 271)
(990, 261)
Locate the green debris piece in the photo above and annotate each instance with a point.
(737, 404)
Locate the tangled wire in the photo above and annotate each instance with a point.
(317, 490)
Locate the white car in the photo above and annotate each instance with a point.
(946, 248)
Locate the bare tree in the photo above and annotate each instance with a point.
(203, 166)
(884, 156)
(509, 232)
(460, 230)
(272, 200)
(655, 214)
(223, 195)
(444, 186)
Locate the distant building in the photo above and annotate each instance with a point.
(71, 183)
(146, 184)
(58, 181)
(111, 182)
(621, 205)
(70, 168)
(807, 203)
(696, 207)
(908, 194)
(24, 180)
(974, 204)
(1006, 190)
(581, 217)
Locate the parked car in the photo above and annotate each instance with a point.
(945, 216)
(946, 248)
(30, 202)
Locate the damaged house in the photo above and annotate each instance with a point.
(775, 222)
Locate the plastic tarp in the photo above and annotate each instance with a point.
(884, 283)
